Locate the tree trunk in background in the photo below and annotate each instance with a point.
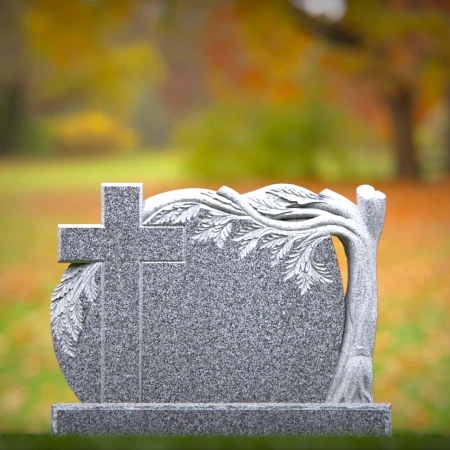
(447, 129)
(12, 113)
(400, 103)
(12, 75)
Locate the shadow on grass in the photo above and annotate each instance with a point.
(398, 441)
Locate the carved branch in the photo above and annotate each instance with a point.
(342, 233)
(322, 220)
(337, 204)
(199, 196)
(296, 214)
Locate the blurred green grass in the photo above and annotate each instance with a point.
(25, 176)
(412, 355)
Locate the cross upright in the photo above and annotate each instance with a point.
(122, 244)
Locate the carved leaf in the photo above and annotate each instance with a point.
(279, 246)
(249, 238)
(222, 200)
(174, 214)
(247, 226)
(251, 235)
(295, 195)
(266, 204)
(216, 227)
(67, 310)
(303, 268)
(247, 247)
(280, 202)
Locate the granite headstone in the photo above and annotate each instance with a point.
(202, 312)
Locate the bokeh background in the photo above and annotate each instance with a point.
(198, 93)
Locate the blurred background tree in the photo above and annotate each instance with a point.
(397, 48)
(152, 73)
(385, 60)
(80, 60)
(12, 76)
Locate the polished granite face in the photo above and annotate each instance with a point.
(183, 320)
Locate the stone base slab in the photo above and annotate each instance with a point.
(226, 419)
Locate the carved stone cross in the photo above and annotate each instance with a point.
(122, 244)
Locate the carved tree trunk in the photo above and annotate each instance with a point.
(353, 379)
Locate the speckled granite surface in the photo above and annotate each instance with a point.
(261, 419)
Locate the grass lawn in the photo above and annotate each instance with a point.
(412, 355)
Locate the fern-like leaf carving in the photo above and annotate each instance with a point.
(216, 227)
(294, 251)
(176, 213)
(68, 309)
(277, 201)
